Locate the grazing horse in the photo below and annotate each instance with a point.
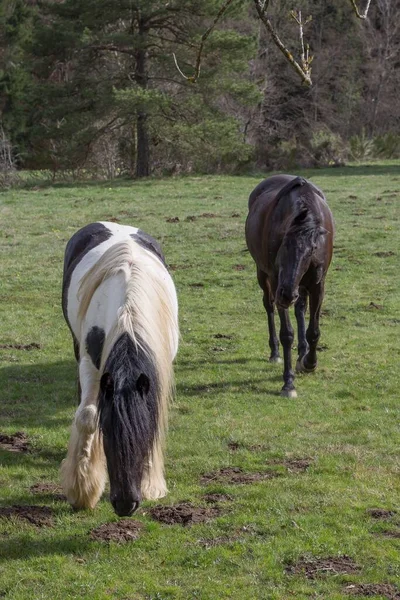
(120, 304)
(289, 233)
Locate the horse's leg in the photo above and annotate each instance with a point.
(286, 337)
(300, 310)
(269, 308)
(83, 472)
(309, 361)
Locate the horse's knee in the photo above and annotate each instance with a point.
(86, 419)
(286, 339)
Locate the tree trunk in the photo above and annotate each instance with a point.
(142, 137)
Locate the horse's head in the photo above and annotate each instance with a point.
(128, 421)
(296, 253)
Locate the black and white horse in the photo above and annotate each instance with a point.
(121, 307)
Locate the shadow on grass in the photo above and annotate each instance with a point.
(38, 395)
(23, 546)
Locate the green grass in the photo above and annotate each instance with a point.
(345, 419)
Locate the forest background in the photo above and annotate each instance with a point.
(103, 87)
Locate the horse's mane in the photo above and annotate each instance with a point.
(148, 312)
(305, 218)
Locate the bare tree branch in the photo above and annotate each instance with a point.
(205, 35)
(305, 73)
(357, 12)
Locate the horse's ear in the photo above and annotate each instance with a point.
(143, 385)
(106, 383)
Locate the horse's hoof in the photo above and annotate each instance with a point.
(275, 359)
(289, 393)
(301, 368)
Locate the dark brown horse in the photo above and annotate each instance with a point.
(289, 232)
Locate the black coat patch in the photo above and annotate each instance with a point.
(146, 241)
(94, 345)
(78, 246)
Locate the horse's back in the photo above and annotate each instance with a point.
(86, 250)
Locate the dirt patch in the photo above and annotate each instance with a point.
(235, 215)
(32, 346)
(386, 590)
(207, 215)
(391, 533)
(125, 530)
(293, 465)
(236, 475)
(381, 513)
(41, 516)
(239, 267)
(376, 306)
(222, 336)
(18, 442)
(384, 254)
(191, 218)
(196, 285)
(48, 489)
(218, 349)
(215, 498)
(184, 514)
(234, 446)
(314, 567)
(172, 220)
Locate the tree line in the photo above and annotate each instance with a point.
(105, 86)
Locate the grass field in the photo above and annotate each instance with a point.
(319, 513)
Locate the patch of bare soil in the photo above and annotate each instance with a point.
(48, 489)
(41, 516)
(215, 498)
(235, 215)
(314, 567)
(236, 475)
(172, 220)
(18, 442)
(184, 514)
(293, 465)
(234, 446)
(125, 530)
(376, 306)
(32, 346)
(191, 218)
(208, 215)
(386, 590)
(196, 285)
(239, 267)
(222, 336)
(391, 533)
(381, 513)
(384, 254)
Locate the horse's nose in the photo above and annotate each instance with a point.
(124, 507)
(286, 297)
